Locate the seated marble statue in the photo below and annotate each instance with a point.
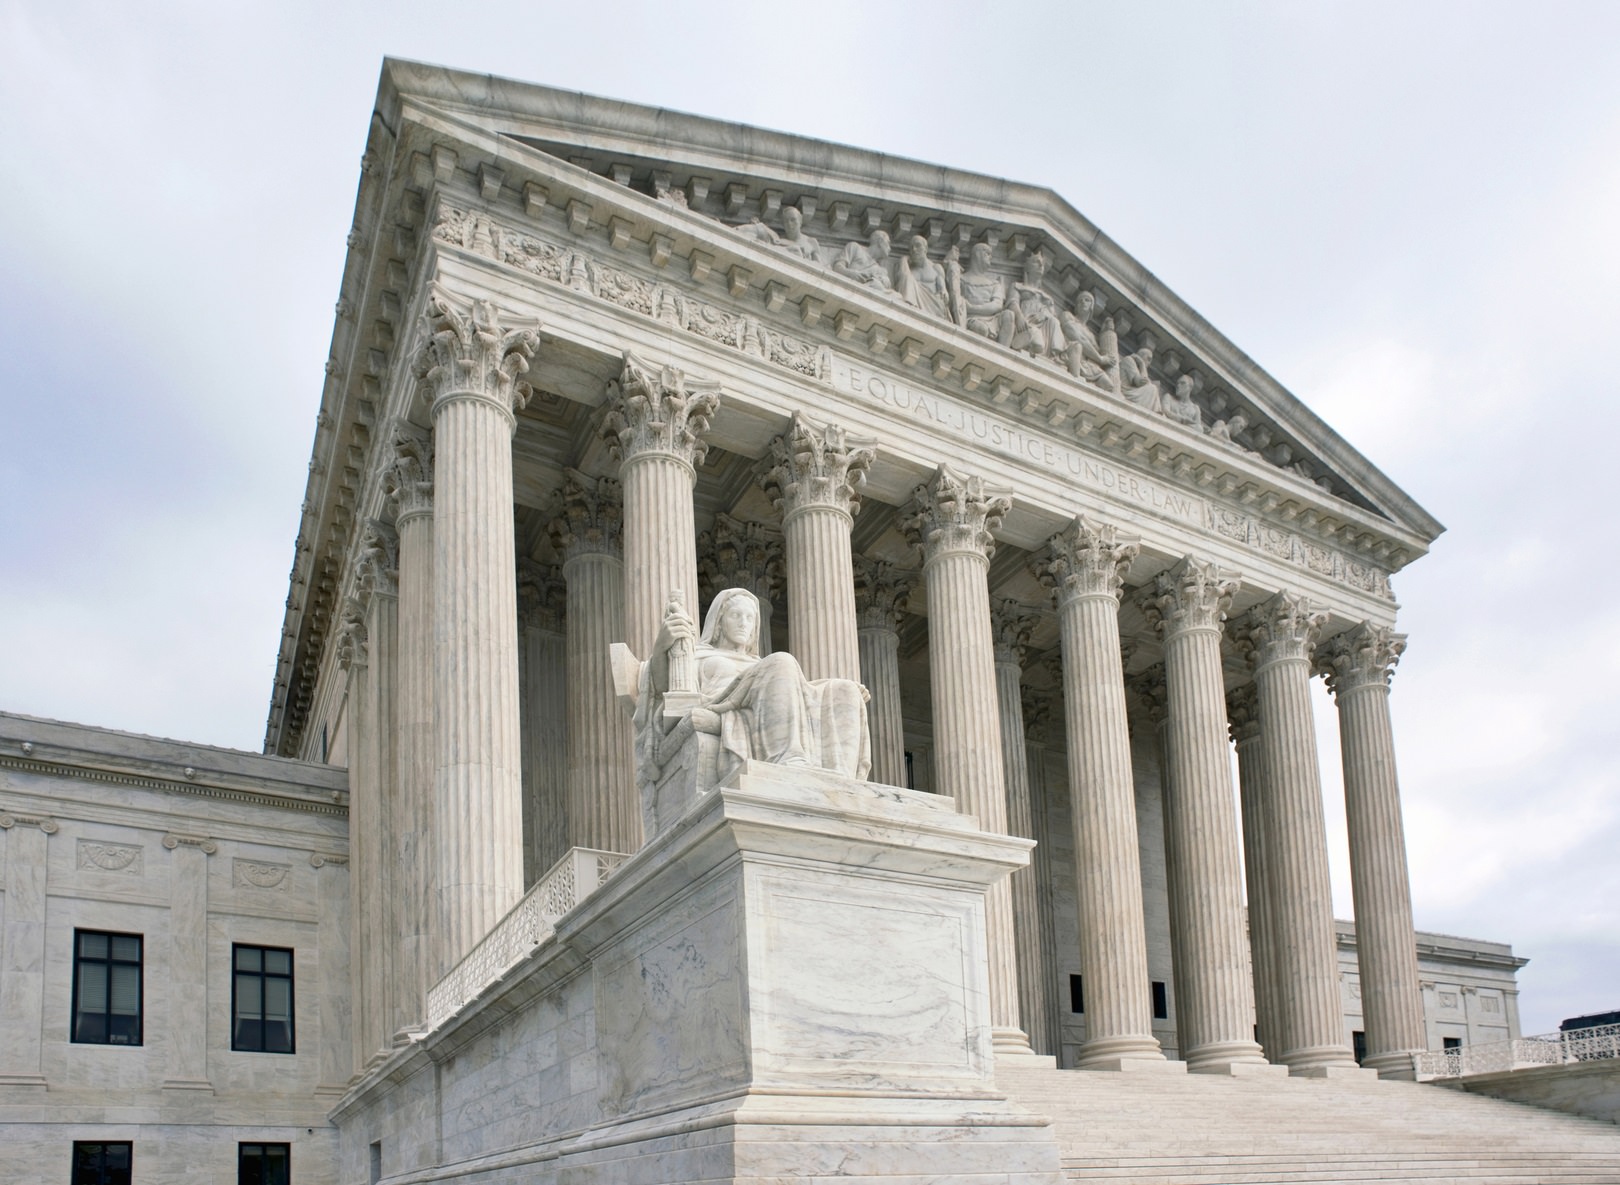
(708, 702)
(867, 263)
(1037, 328)
(1136, 385)
(1180, 406)
(1086, 354)
(793, 240)
(982, 308)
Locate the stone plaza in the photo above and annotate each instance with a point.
(798, 665)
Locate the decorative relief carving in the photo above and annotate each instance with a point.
(1195, 594)
(655, 410)
(351, 638)
(1243, 713)
(174, 840)
(377, 570)
(882, 592)
(321, 859)
(255, 874)
(1363, 656)
(94, 856)
(950, 513)
(1086, 559)
(1038, 713)
(467, 350)
(978, 300)
(817, 466)
(408, 480)
(542, 596)
(10, 819)
(1152, 692)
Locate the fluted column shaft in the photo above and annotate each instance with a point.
(952, 523)
(365, 838)
(472, 366)
(411, 487)
(654, 427)
(815, 481)
(1358, 667)
(1243, 715)
(604, 811)
(880, 595)
(542, 600)
(381, 886)
(1046, 1023)
(1189, 603)
(1086, 565)
(1281, 634)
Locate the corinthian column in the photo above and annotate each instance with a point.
(542, 663)
(655, 426)
(409, 485)
(366, 933)
(951, 521)
(1047, 1022)
(815, 482)
(373, 734)
(604, 809)
(1243, 719)
(1085, 566)
(881, 590)
(736, 554)
(1358, 665)
(1011, 624)
(472, 366)
(1280, 635)
(1188, 604)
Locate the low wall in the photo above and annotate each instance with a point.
(1580, 1088)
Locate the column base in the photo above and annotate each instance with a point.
(1233, 1059)
(1313, 1061)
(1395, 1066)
(1137, 1064)
(1012, 1043)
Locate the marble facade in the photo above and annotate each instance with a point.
(1028, 547)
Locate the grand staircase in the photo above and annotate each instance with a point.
(1194, 1129)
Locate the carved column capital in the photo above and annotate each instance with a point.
(882, 593)
(653, 409)
(955, 514)
(816, 466)
(1086, 559)
(1363, 656)
(467, 352)
(542, 596)
(10, 819)
(1243, 713)
(735, 554)
(590, 516)
(351, 637)
(1037, 706)
(1011, 624)
(1151, 690)
(377, 569)
(202, 842)
(408, 479)
(1281, 628)
(1194, 594)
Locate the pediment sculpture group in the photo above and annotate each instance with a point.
(1019, 314)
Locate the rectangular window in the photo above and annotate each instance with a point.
(1358, 1041)
(261, 1000)
(101, 1163)
(106, 988)
(1161, 1001)
(263, 1164)
(1077, 994)
(1449, 1043)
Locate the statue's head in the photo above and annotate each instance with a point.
(1035, 268)
(732, 622)
(792, 221)
(1085, 304)
(980, 256)
(919, 249)
(1184, 387)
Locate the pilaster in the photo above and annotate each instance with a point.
(22, 948)
(188, 962)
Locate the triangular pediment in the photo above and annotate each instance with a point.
(695, 174)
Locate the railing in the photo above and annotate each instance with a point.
(531, 921)
(1550, 1049)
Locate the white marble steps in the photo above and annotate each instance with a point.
(1156, 1129)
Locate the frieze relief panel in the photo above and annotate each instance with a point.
(99, 856)
(257, 874)
(672, 305)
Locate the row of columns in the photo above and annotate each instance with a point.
(629, 541)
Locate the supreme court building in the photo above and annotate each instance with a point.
(592, 365)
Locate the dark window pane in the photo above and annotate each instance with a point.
(126, 948)
(248, 958)
(93, 946)
(1077, 995)
(107, 988)
(278, 962)
(262, 1004)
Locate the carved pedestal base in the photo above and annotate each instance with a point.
(789, 982)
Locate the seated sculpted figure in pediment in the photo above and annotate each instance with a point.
(706, 703)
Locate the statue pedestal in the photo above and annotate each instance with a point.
(791, 982)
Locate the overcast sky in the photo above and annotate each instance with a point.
(1408, 213)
